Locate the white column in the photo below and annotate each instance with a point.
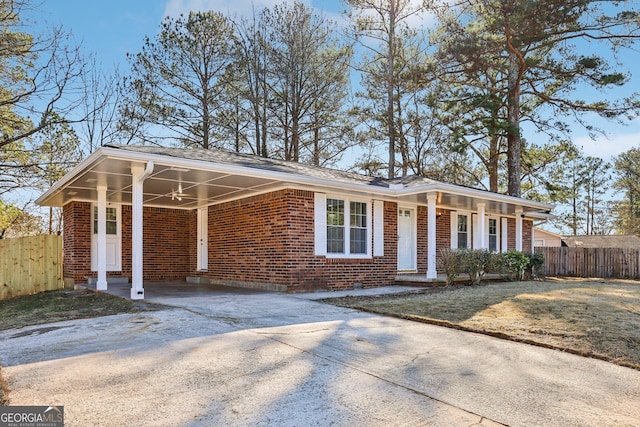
(138, 175)
(101, 256)
(481, 227)
(431, 236)
(519, 229)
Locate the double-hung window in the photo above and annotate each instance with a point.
(493, 234)
(463, 231)
(358, 227)
(335, 226)
(348, 226)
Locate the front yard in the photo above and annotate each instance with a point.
(594, 318)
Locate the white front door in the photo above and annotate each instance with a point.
(406, 240)
(114, 239)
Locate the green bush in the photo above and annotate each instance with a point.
(515, 264)
(450, 260)
(476, 263)
(536, 264)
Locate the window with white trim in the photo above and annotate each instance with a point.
(348, 227)
(463, 231)
(335, 226)
(358, 227)
(493, 234)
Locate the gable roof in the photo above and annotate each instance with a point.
(613, 241)
(192, 178)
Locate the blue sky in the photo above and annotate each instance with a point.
(112, 28)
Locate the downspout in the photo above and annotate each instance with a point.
(147, 171)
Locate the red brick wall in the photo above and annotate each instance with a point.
(511, 234)
(169, 243)
(527, 234)
(270, 239)
(422, 231)
(443, 234)
(76, 238)
(265, 239)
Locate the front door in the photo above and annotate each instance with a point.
(406, 240)
(114, 239)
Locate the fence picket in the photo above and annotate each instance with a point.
(29, 265)
(591, 262)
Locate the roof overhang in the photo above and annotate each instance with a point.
(189, 184)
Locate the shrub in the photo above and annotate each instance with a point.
(476, 263)
(535, 265)
(515, 264)
(450, 264)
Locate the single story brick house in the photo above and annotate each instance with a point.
(151, 213)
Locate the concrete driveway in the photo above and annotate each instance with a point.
(255, 358)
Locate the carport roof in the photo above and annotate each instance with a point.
(191, 178)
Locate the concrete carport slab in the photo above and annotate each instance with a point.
(285, 360)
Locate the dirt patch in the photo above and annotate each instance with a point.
(593, 318)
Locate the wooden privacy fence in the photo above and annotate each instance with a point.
(615, 263)
(29, 265)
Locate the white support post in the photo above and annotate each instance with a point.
(519, 229)
(138, 175)
(504, 235)
(431, 236)
(481, 227)
(101, 256)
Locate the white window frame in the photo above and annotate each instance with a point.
(498, 241)
(320, 226)
(454, 228)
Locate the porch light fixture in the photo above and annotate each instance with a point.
(438, 212)
(173, 168)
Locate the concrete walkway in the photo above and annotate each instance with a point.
(256, 358)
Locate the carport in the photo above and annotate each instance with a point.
(116, 176)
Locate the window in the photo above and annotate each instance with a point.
(493, 235)
(358, 227)
(463, 231)
(112, 220)
(335, 226)
(347, 227)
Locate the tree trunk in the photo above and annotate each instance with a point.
(514, 143)
(390, 84)
(494, 164)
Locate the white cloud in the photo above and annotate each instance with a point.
(618, 139)
(609, 147)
